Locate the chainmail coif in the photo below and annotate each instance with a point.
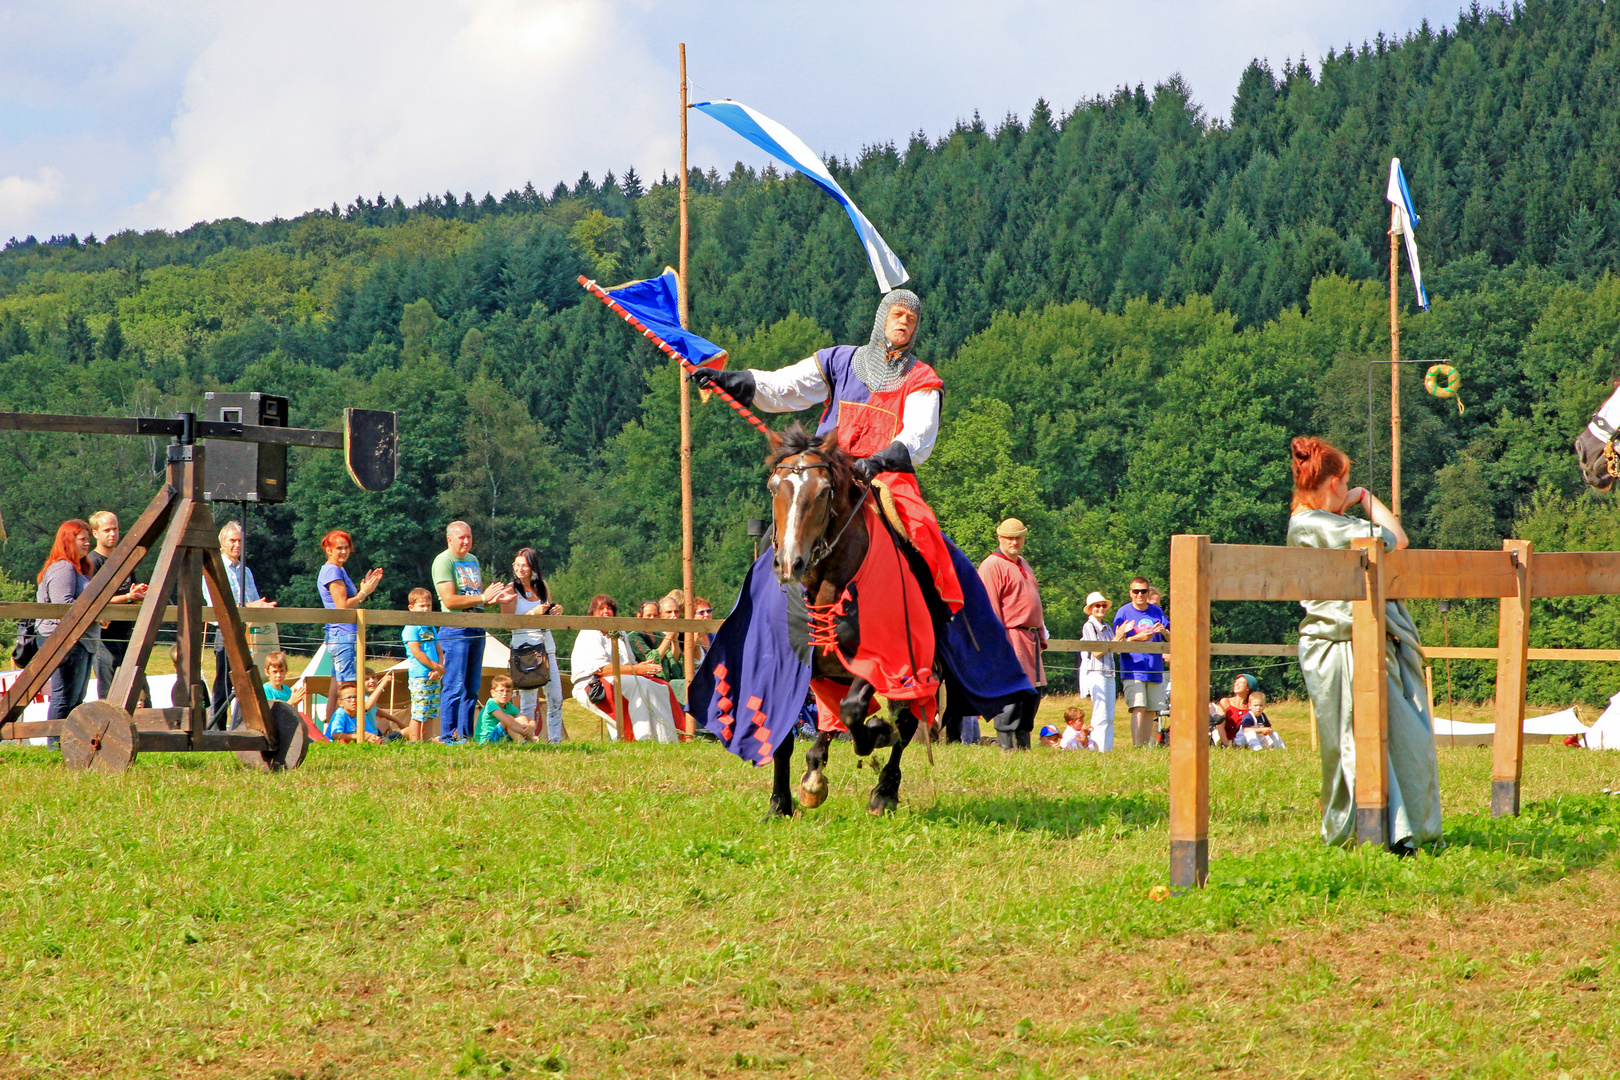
(876, 364)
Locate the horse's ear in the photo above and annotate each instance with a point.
(775, 439)
(829, 445)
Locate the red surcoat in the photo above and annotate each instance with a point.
(864, 428)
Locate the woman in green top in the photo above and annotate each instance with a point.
(1321, 499)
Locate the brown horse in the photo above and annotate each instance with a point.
(821, 540)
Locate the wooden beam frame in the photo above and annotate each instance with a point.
(1512, 643)
(1189, 728)
(1371, 695)
(188, 555)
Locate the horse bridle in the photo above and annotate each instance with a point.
(822, 547)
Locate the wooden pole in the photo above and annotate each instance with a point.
(360, 675)
(1451, 710)
(1394, 366)
(1368, 647)
(1512, 642)
(1189, 728)
(621, 708)
(689, 641)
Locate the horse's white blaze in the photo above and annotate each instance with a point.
(1610, 412)
(790, 531)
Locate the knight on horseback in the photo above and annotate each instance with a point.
(885, 405)
(861, 593)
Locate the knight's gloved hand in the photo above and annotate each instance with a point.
(739, 384)
(892, 458)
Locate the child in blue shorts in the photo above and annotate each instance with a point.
(426, 670)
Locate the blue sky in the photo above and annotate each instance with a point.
(161, 113)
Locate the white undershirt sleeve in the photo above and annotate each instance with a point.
(797, 386)
(919, 424)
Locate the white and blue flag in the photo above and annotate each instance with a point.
(1405, 223)
(791, 151)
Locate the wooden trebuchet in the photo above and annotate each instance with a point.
(106, 736)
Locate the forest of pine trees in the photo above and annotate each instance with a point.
(1134, 308)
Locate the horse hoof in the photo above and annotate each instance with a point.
(779, 808)
(813, 789)
(880, 804)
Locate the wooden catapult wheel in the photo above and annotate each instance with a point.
(106, 736)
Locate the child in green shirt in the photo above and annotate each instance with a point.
(500, 719)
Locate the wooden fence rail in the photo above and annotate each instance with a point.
(382, 617)
(1367, 576)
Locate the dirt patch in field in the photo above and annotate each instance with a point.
(1408, 997)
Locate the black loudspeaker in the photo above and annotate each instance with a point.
(246, 471)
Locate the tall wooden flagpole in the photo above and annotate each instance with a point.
(686, 412)
(1394, 365)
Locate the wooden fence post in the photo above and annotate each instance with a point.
(1371, 713)
(1512, 645)
(1189, 725)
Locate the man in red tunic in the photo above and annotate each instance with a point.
(885, 405)
(1016, 596)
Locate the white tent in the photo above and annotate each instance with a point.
(1537, 729)
(1605, 734)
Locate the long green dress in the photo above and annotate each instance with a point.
(1325, 660)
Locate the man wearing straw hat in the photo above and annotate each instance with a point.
(1016, 597)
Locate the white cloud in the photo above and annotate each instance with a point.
(478, 95)
(21, 199)
(166, 112)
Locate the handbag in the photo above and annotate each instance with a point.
(595, 692)
(27, 644)
(528, 666)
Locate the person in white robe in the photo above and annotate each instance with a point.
(653, 711)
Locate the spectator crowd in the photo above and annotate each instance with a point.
(633, 680)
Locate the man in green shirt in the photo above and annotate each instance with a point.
(459, 582)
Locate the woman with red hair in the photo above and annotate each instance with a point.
(339, 593)
(1322, 501)
(66, 574)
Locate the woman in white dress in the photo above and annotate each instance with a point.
(534, 597)
(651, 703)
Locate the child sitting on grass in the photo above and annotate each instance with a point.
(1076, 731)
(1256, 732)
(341, 725)
(500, 719)
(391, 723)
(276, 688)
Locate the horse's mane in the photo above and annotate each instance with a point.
(796, 440)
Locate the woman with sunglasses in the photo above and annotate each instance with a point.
(532, 596)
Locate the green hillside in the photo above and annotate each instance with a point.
(1134, 308)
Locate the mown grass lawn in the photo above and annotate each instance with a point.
(604, 911)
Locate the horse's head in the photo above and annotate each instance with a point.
(809, 485)
(1594, 470)
(1593, 441)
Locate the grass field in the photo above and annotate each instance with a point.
(624, 911)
